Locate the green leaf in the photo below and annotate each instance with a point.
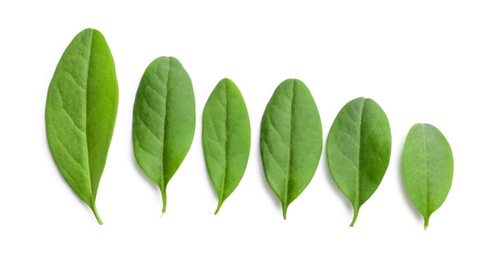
(428, 167)
(358, 150)
(164, 119)
(290, 140)
(81, 109)
(226, 138)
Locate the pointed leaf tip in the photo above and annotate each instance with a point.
(163, 196)
(220, 202)
(355, 215)
(96, 214)
(284, 211)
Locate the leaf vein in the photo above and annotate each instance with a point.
(71, 155)
(154, 89)
(147, 127)
(150, 107)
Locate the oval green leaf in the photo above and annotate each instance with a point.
(428, 167)
(226, 138)
(81, 108)
(290, 140)
(164, 119)
(358, 150)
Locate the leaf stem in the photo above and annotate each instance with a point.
(355, 215)
(219, 206)
(96, 214)
(284, 210)
(163, 196)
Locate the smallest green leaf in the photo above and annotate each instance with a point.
(226, 138)
(428, 168)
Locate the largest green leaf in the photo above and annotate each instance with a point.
(163, 120)
(428, 168)
(358, 150)
(81, 109)
(291, 140)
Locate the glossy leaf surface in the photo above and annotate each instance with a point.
(163, 120)
(358, 150)
(226, 138)
(428, 167)
(81, 109)
(291, 140)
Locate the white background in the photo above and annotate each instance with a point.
(422, 61)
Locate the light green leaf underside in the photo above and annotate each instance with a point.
(226, 138)
(290, 140)
(81, 109)
(428, 168)
(163, 120)
(358, 150)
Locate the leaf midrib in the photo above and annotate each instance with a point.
(163, 154)
(290, 153)
(92, 197)
(357, 184)
(224, 179)
(427, 171)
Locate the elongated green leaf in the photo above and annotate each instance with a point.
(164, 119)
(226, 138)
(358, 150)
(81, 109)
(428, 168)
(290, 141)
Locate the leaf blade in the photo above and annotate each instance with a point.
(163, 120)
(226, 138)
(81, 109)
(290, 140)
(428, 166)
(358, 150)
